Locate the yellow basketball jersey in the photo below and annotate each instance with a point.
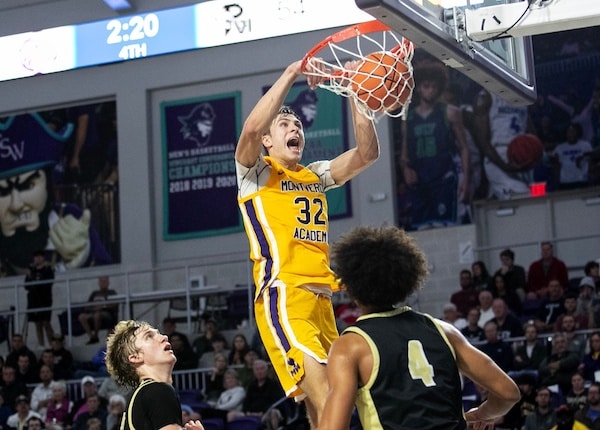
(287, 227)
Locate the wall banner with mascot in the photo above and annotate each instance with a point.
(199, 183)
(59, 188)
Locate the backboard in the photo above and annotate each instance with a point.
(504, 66)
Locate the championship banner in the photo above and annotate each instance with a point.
(323, 116)
(199, 182)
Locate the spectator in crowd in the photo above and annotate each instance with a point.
(42, 393)
(260, 394)
(466, 297)
(203, 343)
(592, 269)
(590, 414)
(239, 347)
(495, 348)
(553, 305)
(542, 271)
(18, 347)
(35, 423)
(116, 407)
(94, 424)
(515, 418)
(510, 297)
(576, 397)
(514, 275)
(587, 301)
(169, 327)
(18, 420)
(544, 416)
(472, 331)
(63, 359)
(89, 387)
(39, 295)
(590, 365)
(93, 410)
(218, 347)
(570, 305)
(575, 340)
(11, 386)
(100, 314)
(60, 406)
(481, 277)
(559, 366)
(529, 355)
(47, 359)
(451, 315)
(246, 373)
(214, 385)
(509, 325)
(230, 399)
(26, 370)
(186, 358)
(486, 313)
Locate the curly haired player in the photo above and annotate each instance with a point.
(401, 367)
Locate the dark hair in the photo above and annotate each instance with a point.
(508, 253)
(484, 271)
(379, 267)
(589, 266)
(430, 71)
(287, 110)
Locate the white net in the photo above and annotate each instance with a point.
(382, 81)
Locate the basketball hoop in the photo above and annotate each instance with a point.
(383, 82)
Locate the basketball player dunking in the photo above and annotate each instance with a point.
(285, 215)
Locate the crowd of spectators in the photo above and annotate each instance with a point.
(239, 384)
(543, 328)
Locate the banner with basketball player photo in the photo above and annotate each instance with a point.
(323, 116)
(199, 184)
(552, 145)
(59, 201)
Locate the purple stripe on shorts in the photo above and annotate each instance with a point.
(273, 299)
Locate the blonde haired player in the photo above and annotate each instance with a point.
(285, 215)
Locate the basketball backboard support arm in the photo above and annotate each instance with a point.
(443, 38)
(543, 16)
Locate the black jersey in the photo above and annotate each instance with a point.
(152, 405)
(415, 382)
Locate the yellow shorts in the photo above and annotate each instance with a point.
(293, 322)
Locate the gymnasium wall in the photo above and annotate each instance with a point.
(140, 86)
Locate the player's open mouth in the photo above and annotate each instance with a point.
(294, 143)
(168, 347)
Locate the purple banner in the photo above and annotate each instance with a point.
(199, 186)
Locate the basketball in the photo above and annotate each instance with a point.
(382, 83)
(525, 150)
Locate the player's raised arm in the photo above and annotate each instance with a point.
(349, 164)
(249, 144)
